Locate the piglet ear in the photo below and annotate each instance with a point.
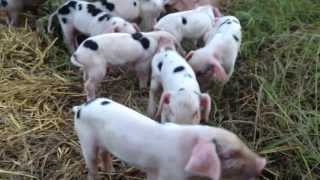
(218, 71)
(166, 43)
(189, 55)
(165, 99)
(217, 12)
(204, 160)
(136, 27)
(205, 103)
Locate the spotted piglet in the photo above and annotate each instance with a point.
(217, 58)
(193, 24)
(170, 151)
(96, 54)
(88, 19)
(181, 102)
(14, 7)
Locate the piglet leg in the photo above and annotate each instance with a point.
(154, 87)
(95, 76)
(69, 36)
(90, 153)
(13, 18)
(107, 161)
(142, 70)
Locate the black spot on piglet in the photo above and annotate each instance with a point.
(80, 38)
(137, 36)
(108, 5)
(64, 20)
(66, 8)
(160, 66)
(105, 16)
(78, 114)
(145, 43)
(91, 45)
(235, 38)
(178, 69)
(105, 103)
(93, 10)
(143, 40)
(184, 21)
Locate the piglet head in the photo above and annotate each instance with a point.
(166, 41)
(237, 160)
(120, 25)
(206, 65)
(185, 107)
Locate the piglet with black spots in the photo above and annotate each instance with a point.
(87, 18)
(96, 54)
(13, 8)
(217, 58)
(164, 151)
(192, 24)
(181, 101)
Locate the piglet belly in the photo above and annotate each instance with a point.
(132, 150)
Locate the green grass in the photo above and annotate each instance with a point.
(272, 101)
(279, 67)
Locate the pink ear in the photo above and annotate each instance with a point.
(218, 71)
(216, 12)
(189, 55)
(205, 102)
(165, 99)
(136, 27)
(204, 160)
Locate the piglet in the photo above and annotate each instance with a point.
(217, 58)
(192, 24)
(96, 54)
(170, 151)
(88, 19)
(14, 7)
(181, 101)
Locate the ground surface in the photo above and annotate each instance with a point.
(272, 101)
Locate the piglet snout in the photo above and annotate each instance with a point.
(260, 164)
